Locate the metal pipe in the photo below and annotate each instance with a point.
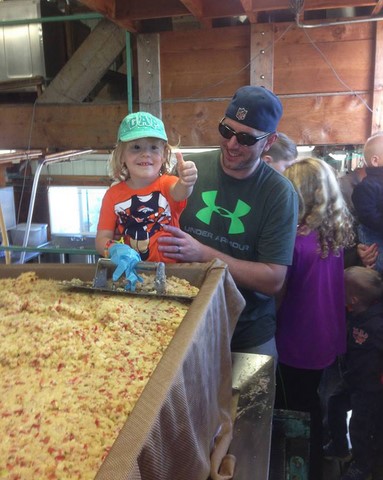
(128, 54)
(334, 24)
(53, 158)
(60, 18)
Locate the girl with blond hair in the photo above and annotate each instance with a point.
(311, 324)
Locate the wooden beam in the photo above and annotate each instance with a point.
(248, 7)
(195, 7)
(60, 127)
(87, 65)
(220, 9)
(377, 102)
(262, 55)
(147, 9)
(309, 120)
(267, 5)
(19, 83)
(108, 9)
(128, 13)
(378, 8)
(149, 79)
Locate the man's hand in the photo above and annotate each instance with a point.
(181, 246)
(368, 254)
(126, 259)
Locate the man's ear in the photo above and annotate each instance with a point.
(270, 140)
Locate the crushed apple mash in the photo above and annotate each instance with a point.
(72, 366)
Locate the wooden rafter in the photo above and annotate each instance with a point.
(269, 5)
(248, 7)
(129, 14)
(195, 7)
(378, 7)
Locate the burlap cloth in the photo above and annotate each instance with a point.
(181, 426)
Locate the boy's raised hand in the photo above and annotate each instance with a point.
(187, 171)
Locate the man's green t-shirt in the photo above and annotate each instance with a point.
(249, 219)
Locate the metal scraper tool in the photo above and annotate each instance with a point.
(105, 268)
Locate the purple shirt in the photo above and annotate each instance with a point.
(311, 323)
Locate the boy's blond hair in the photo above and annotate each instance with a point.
(321, 204)
(118, 170)
(373, 150)
(365, 284)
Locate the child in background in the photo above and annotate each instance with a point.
(144, 197)
(362, 389)
(367, 198)
(282, 153)
(311, 324)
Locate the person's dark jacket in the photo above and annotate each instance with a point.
(364, 355)
(367, 198)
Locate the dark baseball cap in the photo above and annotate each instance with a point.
(255, 107)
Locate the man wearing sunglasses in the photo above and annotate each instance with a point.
(243, 212)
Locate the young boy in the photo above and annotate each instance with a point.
(362, 389)
(282, 153)
(367, 198)
(144, 196)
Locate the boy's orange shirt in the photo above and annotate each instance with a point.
(137, 216)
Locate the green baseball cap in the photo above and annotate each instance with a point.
(141, 125)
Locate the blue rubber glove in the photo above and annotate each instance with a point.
(126, 259)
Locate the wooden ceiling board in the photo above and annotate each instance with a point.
(328, 5)
(125, 12)
(195, 7)
(107, 8)
(147, 9)
(229, 8)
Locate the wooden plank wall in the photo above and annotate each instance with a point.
(199, 74)
(326, 78)
(60, 127)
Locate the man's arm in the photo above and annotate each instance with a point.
(266, 278)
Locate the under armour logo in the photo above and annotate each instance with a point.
(205, 214)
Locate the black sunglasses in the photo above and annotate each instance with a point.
(242, 138)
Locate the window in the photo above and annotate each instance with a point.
(75, 210)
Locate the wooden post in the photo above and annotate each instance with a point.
(262, 55)
(149, 79)
(377, 101)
